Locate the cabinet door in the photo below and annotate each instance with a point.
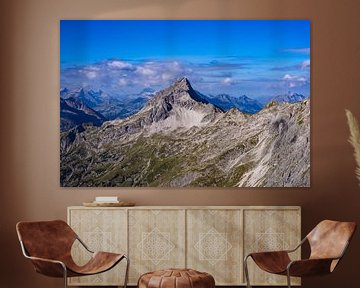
(101, 230)
(271, 230)
(214, 244)
(156, 240)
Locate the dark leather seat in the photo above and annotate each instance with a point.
(48, 245)
(328, 242)
(176, 278)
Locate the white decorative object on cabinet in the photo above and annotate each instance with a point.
(211, 239)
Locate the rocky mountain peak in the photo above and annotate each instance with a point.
(179, 93)
(177, 106)
(183, 83)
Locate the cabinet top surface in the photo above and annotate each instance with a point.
(192, 207)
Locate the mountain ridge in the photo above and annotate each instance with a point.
(75, 113)
(176, 141)
(113, 108)
(290, 97)
(178, 105)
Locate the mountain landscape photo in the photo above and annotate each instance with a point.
(145, 116)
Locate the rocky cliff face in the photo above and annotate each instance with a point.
(179, 139)
(75, 113)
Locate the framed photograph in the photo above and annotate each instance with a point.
(185, 103)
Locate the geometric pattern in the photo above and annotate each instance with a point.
(209, 239)
(98, 240)
(270, 230)
(269, 241)
(213, 246)
(215, 243)
(156, 241)
(156, 246)
(101, 230)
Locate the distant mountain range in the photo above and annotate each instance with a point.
(109, 107)
(290, 97)
(180, 138)
(242, 103)
(74, 113)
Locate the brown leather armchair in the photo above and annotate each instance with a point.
(48, 245)
(328, 242)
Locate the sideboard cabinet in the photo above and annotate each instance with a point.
(211, 239)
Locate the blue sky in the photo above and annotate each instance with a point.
(259, 58)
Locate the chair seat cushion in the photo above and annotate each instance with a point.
(99, 262)
(272, 262)
(176, 278)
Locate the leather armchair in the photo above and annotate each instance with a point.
(48, 245)
(328, 243)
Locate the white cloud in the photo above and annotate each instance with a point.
(294, 77)
(295, 80)
(145, 71)
(123, 82)
(227, 81)
(288, 77)
(91, 74)
(92, 68)
(166, 76)
(299, 50)
(305, 64)
(119, 64)
(175, 66)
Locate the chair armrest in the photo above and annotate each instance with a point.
(280, 251)
(309, 267)
(48, 267)
(45, 260)
(298, 246)
(84, 245)
(271, 261)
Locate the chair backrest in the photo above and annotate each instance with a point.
(46, 239)
(329, 239)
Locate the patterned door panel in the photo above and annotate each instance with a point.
(214, 241)
(157, 240)
(270, 230)
(101, 230)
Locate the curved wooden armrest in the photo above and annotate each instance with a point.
(309, 267)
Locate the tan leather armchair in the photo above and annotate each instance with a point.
(48, 245)
(328, 242)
